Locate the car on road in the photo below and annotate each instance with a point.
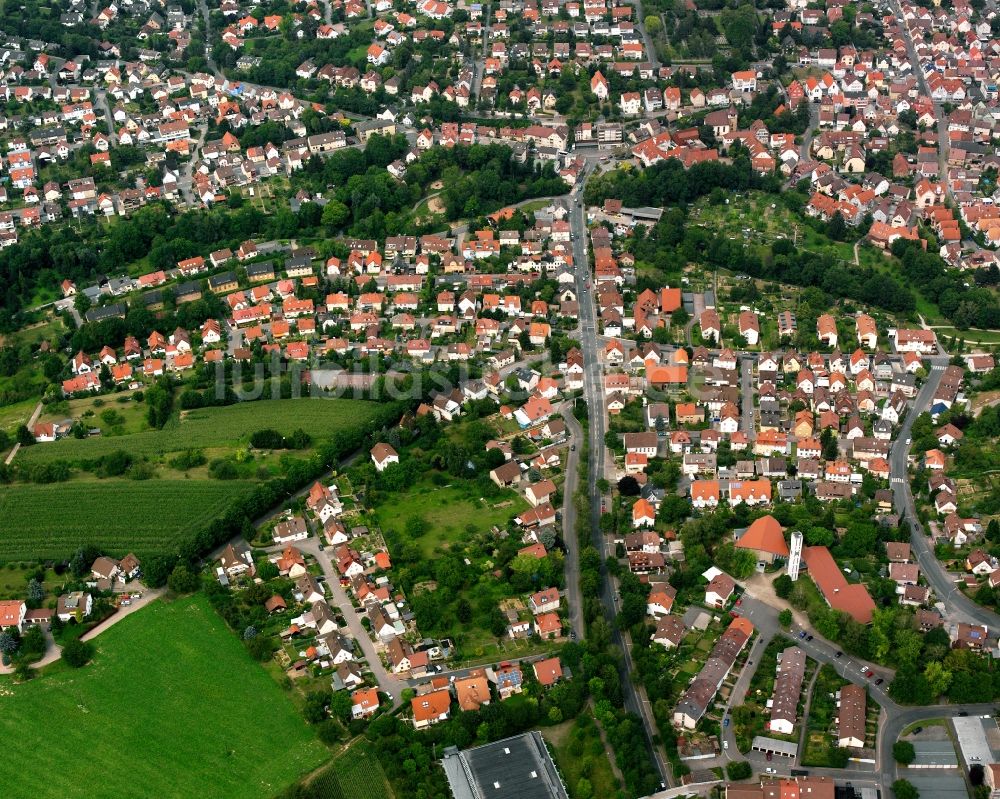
(572, 447)
(802, 634)
(769, 756)
(809, 637)
(725, 721)
(770, 770)
(918, 730)
(725, 744)
(869, 673)
(839, 653)
(739, 602)
(963, 713)
(879, 681)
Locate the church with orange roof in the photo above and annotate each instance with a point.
(765, 539)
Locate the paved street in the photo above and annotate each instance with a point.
(635, 700)
(746, 397)
(944, 587)
(338, 598)
(572, 560)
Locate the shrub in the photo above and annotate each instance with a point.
(903, 752)
(77, 653)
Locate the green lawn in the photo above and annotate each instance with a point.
(217, 427)
(115, 515)
(448, 511)
(13, 416)
(579, 753)
(113, 414)
(355, 774)
(14, 580)
(985, 337)
(171, 708)
(49, 329)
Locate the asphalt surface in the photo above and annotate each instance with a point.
(635, 700)
(943, 584)
(941, 117)
(339, 599)
(746, 397)
(571, 563)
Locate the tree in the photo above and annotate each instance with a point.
(904, 789)
(785, 618)
(36, 593)
(783, 586)
(740, 563)
(335, 215)
(584, 789)
(182, 580)
(938, 678)
(836, 228)
(9, 643)
(739, 770)
(340, 705)
(24, 436)
(628, 486)
(903, 752)
(77, 653)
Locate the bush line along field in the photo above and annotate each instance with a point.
(216, 427)
(146, 517)
(170, 686)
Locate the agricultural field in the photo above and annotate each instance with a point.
(52, 521)
(208, 428)
(200, 701)
(355, 774)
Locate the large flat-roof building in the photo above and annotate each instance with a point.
(514, 767)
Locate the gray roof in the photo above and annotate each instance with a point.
(514, 767)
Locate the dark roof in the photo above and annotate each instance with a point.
(116, 310)
(221, 280)
(191, 287)
(520, 766)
